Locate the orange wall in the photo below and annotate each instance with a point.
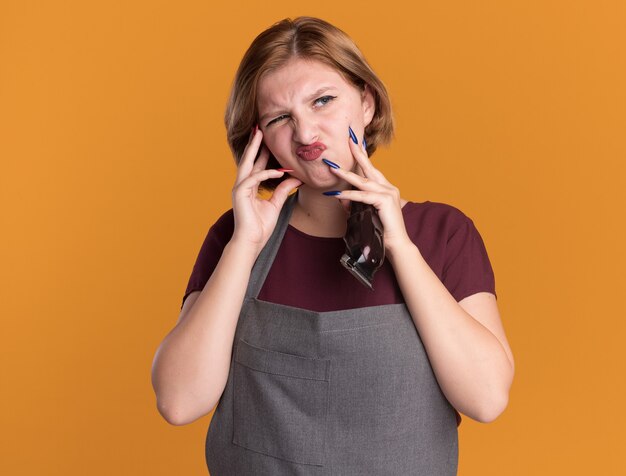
(114, 164)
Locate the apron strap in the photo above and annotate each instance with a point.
(265, 259)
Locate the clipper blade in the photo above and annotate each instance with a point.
(357, 271)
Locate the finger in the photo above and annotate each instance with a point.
(252, 182)
(250, 152)
(363, 161)
(362, 196)
(359, 171)
(281, 192)
(359, 181)
(261, 162)
(247, 159)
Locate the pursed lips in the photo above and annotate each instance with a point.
(311, 151)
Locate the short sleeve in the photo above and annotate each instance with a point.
(467, 269)
(210, 253)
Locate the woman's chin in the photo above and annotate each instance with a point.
(324, 181)
(324, 186)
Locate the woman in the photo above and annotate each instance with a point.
(312, 372)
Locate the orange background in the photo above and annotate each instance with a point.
(115, 164)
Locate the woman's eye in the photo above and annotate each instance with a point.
(322, 101)
(276, 120)
(325, 100)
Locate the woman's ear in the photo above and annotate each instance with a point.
(368, 102)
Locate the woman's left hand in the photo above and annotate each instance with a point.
(375, 189)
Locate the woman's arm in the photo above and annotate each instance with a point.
(465, 341)
(191, 366)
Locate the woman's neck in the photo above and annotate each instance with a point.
(318, 215)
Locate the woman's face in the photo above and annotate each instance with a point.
(307, 103)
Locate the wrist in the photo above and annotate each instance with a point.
(243, 248)
(401, 249)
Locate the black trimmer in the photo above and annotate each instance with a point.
(365, 248)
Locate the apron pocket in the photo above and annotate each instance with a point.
(280, 403)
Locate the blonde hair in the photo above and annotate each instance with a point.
(306, 38)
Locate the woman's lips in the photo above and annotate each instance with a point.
(310, 152)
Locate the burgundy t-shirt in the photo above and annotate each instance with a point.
(306, 272)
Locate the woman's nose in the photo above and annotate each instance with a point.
(305, 131)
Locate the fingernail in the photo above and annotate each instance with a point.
(332, 192)
(285, 170)
(364, 143)
(332, 164)
(352, 136)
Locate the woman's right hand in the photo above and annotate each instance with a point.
(255, 218)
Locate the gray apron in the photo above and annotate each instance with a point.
(341, 393)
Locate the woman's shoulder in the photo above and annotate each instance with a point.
(433, 224)
(226, 219)
(221, 230)
(433, 211)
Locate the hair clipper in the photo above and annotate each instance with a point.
(365, 248)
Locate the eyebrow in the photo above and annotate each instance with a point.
(309, 98)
